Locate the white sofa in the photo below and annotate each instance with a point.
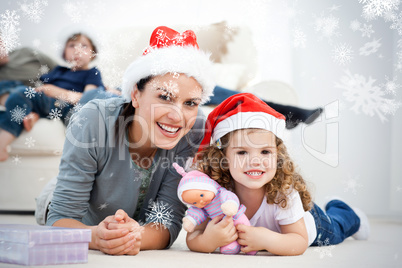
(35, 155)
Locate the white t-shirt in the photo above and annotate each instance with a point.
(271, 216)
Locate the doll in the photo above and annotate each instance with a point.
(207, 199)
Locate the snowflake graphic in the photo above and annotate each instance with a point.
(160, 214)
(327, 26)
(61, 102)
(76, 10)
(299, 38)
(229, 32)
(30, 92)
(377, 8)
(334, 8)
(43, 69)
(342, 54)
(30, 142)
(352, 184)
(355, 25)
(397, 23)
(76, 120)
(367, 30)
(103, 206)
(33, 11)
(171, 86)
(366, 96)
(16, 159)
(370, 47)
(81, 50)
(55, 114)
(390, 86)
(176, 75)
(138, 175)
(18, 114)
(324, 248)
(9, 29)
(36, 82)
(36, 43)
(398, 62)
(77, 107)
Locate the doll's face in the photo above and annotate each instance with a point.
(198, 198)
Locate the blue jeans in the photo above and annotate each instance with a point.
(336, 224)
(98, 93)
(18, 105)
(8, 86)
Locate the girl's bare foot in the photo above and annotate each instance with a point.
(30, 120)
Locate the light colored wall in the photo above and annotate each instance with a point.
(361, 159)
(368, 171)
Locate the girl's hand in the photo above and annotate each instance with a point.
(118, 235)
(250, 238)
(220, 231)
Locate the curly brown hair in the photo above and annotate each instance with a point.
(212, 161)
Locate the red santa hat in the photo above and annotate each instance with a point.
(241, 111)
(171, 52)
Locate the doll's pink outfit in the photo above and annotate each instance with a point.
(198, 180)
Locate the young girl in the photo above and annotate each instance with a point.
(248, 157)
(60, 90)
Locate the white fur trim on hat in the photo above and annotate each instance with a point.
(174, 59)
(259, 120)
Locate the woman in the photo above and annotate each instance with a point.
(116, 170)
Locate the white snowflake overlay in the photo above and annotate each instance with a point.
(18, 114)
(30, 142)
(327, 26)
(55, 114)
(9, 22)
(33, 11)
(324, 248)
(373, 9)
(17, 159)
(352, 185)
(299, 38)
(30, 92)
(76, 10)
(367, 97)
(342, 54)
(370, 47)
(160, 214)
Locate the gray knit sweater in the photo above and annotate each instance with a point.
(96, 175)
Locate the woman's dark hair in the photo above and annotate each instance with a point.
(128, 109)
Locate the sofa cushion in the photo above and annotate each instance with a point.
(45, 138)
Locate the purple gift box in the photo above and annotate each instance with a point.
(43, 245)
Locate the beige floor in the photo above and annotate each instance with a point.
(383, 249)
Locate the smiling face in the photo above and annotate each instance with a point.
(252, 157)
(79, 52)
(165, 110)
(197, 198)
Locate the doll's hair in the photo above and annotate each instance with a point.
(74, 37)
(212, 161)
